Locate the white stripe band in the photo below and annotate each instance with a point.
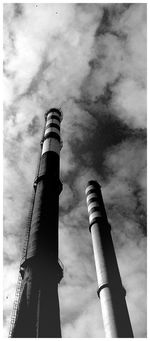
(52, 129)
(93, 204)
(91, 195)
(93, 215)
(51, 144)
(89, 187)
(53, 120)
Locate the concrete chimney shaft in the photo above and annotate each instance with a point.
(110, 290)
(37, 312)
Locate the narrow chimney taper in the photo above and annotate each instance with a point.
(110, 290)
(37, 311)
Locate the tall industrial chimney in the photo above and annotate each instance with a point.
(110, 290)
(37, 312)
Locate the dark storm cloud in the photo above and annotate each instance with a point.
(18, 10)
(111, 12)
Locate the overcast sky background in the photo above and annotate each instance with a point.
(90, 60)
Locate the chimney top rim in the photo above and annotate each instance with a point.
(93, 183)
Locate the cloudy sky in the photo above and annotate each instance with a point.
(90, 60)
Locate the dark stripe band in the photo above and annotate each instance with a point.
(53, 117)
(94, 221)
(92, 190)
(54, 125)
(94, 209)
(92, 200)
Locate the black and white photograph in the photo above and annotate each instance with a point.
(75, 170)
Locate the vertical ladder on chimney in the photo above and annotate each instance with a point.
(15, 305)
(25, 246)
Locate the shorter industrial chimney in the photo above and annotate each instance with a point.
(110, 290)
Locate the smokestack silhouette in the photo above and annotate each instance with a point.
(36, 312)
(110, 290)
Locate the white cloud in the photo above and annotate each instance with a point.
(129, 102)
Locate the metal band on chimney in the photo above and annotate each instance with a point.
(51, 144)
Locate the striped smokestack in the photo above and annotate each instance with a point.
(110, 290)
(37, 313)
